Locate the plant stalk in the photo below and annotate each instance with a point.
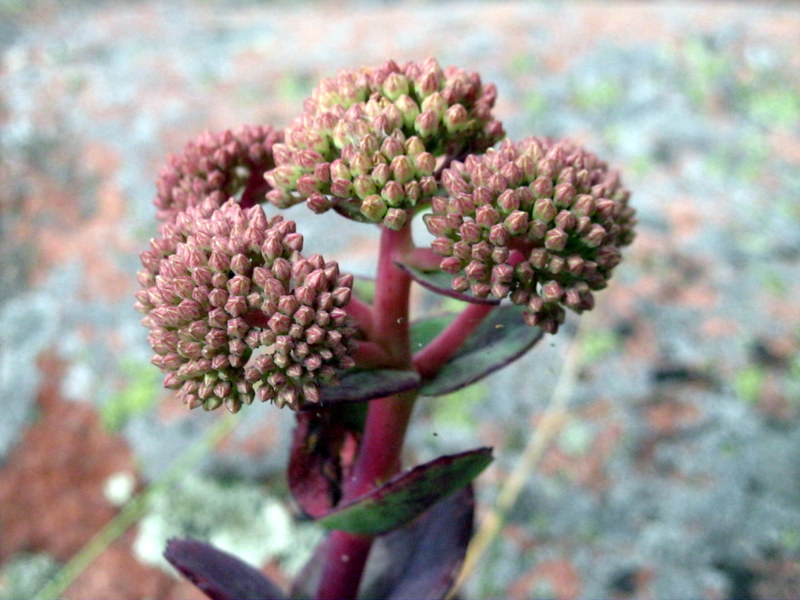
(387, 419)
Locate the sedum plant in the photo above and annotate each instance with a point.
(241, 311)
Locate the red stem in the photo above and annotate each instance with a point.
(432, 357)
(370, 355)
(392, 290)
(422, 258)
(387, 419)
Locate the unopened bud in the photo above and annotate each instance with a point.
(373, 208)
(395, 219)
(555, 239)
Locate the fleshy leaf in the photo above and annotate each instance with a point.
(424, 330)
(219, 575)
(501, 339)
(406, 496)
(440, 282)
(360, 386)
(420, 560)
(323, 445)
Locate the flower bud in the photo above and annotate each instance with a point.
(373, 208)
(556, 239)
(395, 219)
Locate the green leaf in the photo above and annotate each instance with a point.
(501, 339)
(360, 386)
(424, 330)
(405, 497)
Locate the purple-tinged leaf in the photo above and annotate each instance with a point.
(406, 496)
(420, 560)
(501, 339)
(440, 282)
(323, 445)
(219, 575)
(361, 386)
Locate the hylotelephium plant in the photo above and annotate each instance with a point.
(237, 312)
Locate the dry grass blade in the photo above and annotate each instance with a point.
(552, 421)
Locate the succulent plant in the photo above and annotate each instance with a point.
(236, 311)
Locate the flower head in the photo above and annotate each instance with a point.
(369, 141)
(236, 312)
(219, 165)
(541, 222)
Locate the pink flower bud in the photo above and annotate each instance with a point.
(476, 271)
(395, 219)
(480, 290)
(342, 188)
(595, 236)
(236, 306)
(424, 164)
(556, 239)
(341, 296)
(426, 123)
(499, 235)
(442, 246)
(486, 216)
(481, 251)
(456, 118)
(402, 169)
(470, 232)
(239, 285)
(318, 203)
(393, 193)
(542, 187)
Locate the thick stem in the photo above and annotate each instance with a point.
(392, 290)
(422, 258)
(387, 419)
(378, 459)
(370, 355)
(432, 357)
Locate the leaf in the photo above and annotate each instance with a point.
(501, 339)
(219, 575)
(420, 560)
(424, 330)
(360, 386)
(322, 446)
(406, 496)
(440, 282)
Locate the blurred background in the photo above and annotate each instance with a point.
(674, 471)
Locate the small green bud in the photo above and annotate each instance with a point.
(373, 208)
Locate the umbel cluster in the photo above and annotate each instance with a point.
(236, 311)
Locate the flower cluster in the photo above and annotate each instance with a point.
(370, 141)
(217, 165)
(236, 312)
(540, 222)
